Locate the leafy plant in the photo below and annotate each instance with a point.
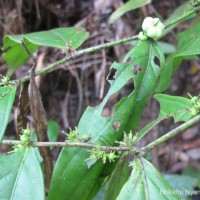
(94, 162)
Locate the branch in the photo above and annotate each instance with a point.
(171, 134)
(77, 54)
(184, 16)
(72, 144)
(134, 150)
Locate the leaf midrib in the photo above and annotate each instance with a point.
(19, 172)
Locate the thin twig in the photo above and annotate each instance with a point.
(180, 19)
(171, 134)
(77, 54)
(136, 150)
(71, 144)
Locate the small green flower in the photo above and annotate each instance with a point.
(97, 154)
(73, 135)
(129, 140)
(111, 156)
(5, 80)
(194, 111)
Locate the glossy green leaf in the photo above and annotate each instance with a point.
(146, 183)
(166, 74)
(180, 11)
(167, 47)
(72, 177)
(128, 6)
(183, 185)
(178, 107)
(188, 46)
(21, 176)
(101, 193)
(7, 97)
(52, 130)
(150, 126)
(193, 172)
(118, 178)
(59, 38)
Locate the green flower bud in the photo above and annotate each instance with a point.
(193, 111)
(24, 138)
(142, 36)
(194, 99)
(111, 156)
(197, 105)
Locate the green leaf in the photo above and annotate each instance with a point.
(118, 178)
(147, 183)
(188, 46)
(7, 97)
(58, 38)
(71, 164)
(150, 126)
(180, 11)
(100, 194)
(182, 184)
(166, 75)
(177, 107)
(194, 172)
(52, 130)
(21, 176)
(130, 5)
(167, 47)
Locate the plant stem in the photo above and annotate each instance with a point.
(72, 144)
(134, 150)
(171, 134)
(96, 48)
(76, 54)
(181, 18)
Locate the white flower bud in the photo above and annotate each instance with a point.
(147, 23)
(152, 32)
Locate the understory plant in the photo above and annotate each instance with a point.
(97, 160)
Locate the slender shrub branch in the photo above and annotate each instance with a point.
(77, 54)
(172, 133)
(181, 18)
(70, 144)
(135, 150)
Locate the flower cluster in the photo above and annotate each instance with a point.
(129, 140)
(152, 27)
(24, 139)
(96, 154)
(196, 106)
(73, 135)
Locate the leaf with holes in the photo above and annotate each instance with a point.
(146, 182)
(7, 97)
(72, 177)
(177, 107)
(62, 38)
(21, 176)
